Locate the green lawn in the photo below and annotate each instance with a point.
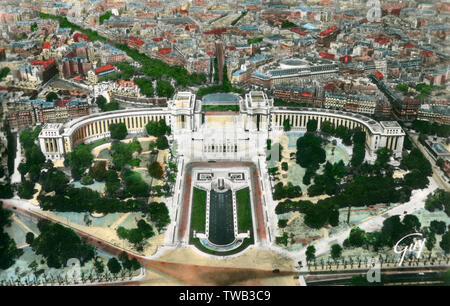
(244, 211)
(97, 143)
(198, 219)
(221, 108)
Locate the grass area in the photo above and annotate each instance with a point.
(244, 210)
(234, 108)
(247, 242)
(97, 143)
(254, 40)
(198, 218)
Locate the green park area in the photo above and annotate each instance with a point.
(331, 186)
(30, 258)
(432, 223)
(198, 218)
(114, 188)
(244, 210)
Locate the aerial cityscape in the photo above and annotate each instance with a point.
(224, 143)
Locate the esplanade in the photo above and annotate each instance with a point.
(231, 135)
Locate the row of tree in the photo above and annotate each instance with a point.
(8, 249)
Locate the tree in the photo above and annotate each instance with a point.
(134, 184)
(439, 200)
(164, 89)
(114, 266)
(317, 215)
(282, 223)
(99, 266)
(158, 128)
(79, 160)
(287, 125)
(4, 72)
(101, 101)
(23, 169)
(155, 170)
(35, 156)
(357, 237)
(28, 137)
(58, 244)
(6, 191)
(118, 130)
(445, 242)
(145, 86)
(393, 228)
(310, 253)
(8, 250)
(411, 223)
(159, 214)
(309, 151)
(383, 157)
(98, 171)
(438, 227)
(54, 180)
(112, 182)
(311, 126)
(359, 151)
(162, 143)
(123, 154)
(327, 128)
(51, 96)
(26, 190)
(416, 160)
(430, 240)
(415, 180)
(336, 251)
(29, 238)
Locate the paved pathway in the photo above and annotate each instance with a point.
(16, 177)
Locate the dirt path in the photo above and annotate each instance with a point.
(23, 225)
(116, 223)
(196, 275)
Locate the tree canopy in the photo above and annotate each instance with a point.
(164, 89)
(58, 244)
(155, 170)
(310, 151)
(159, 214)
(79, 160)
(8, 250)
(118, 130)
(158, 128)
(134, 184)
